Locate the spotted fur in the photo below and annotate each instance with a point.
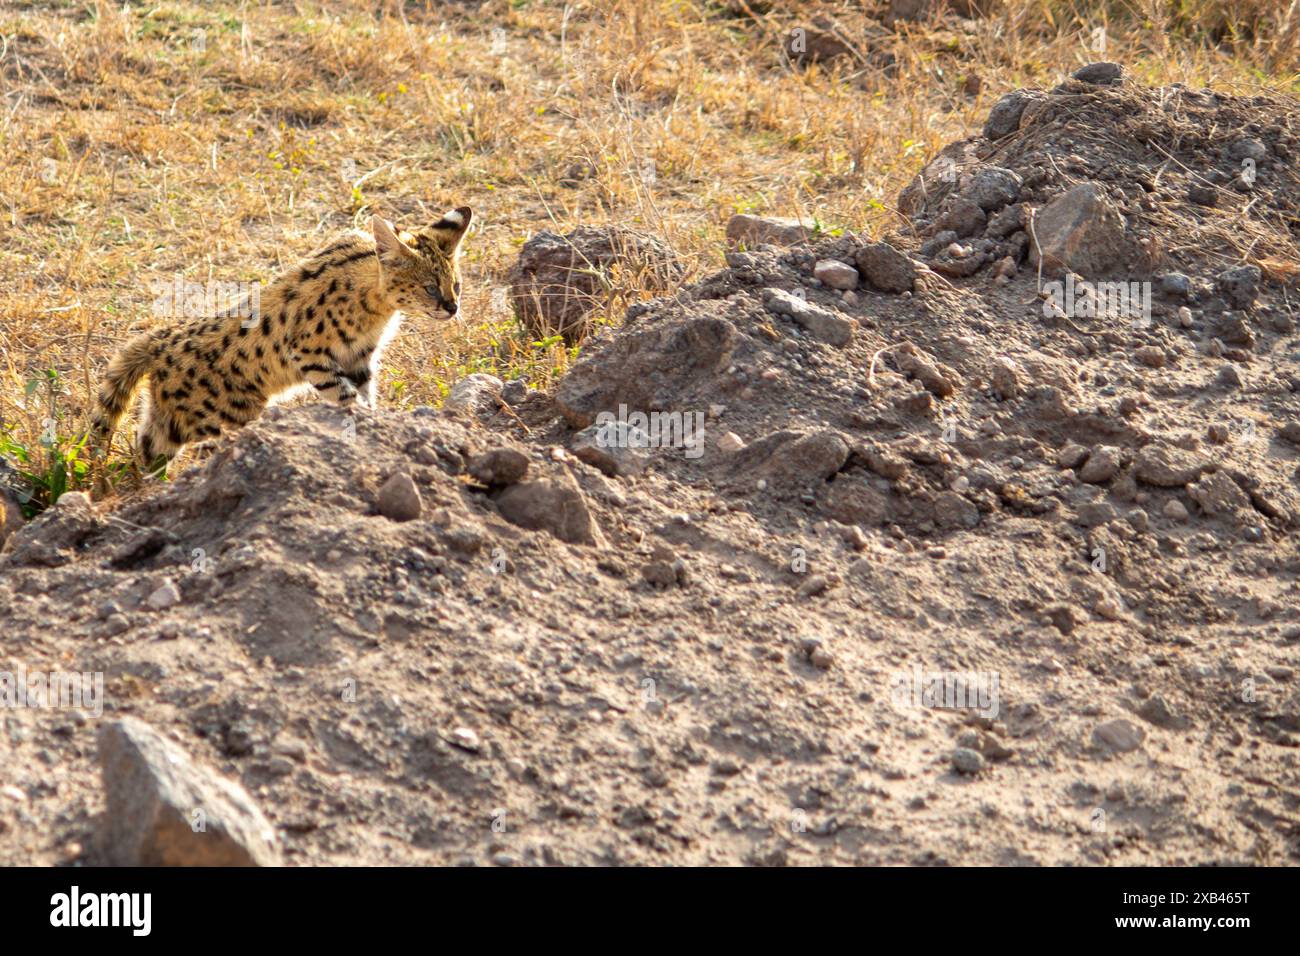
(324, 322)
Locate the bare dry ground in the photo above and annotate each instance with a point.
(702, 658)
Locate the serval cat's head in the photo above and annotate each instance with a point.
(421, 270)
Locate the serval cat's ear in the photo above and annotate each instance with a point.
(448, 231)
(387, 245)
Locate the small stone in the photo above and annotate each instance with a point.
(167, 595)
(1229, 376)
(836, 274)
(1239, 285)
(1290, 432)
(1166, 466)
(1062, 617)
(1218, 495)
(967, 761)
(1079, 231)
(465, 739)
(1156, 710)
(474, 393)
(399, 498)
(515, 392)
(1099, 74)
(1176, 284)
(1071, 456)
(1152, 356)
(1004, 117)
(1102, 465)
(1247, 148)
(885, 268)
(822, 325)
(730, 442)
(1118, 736)
(1175, 510)
(1108, 609)
(1004, 380)
(499, 467)
(756, 230)
(821, 658)
(814, 586)
(554, 504)
(964, 217)
(1184, 316)
(993, 187)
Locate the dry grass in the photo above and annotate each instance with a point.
(221, 141)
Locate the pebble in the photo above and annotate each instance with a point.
(1118, 736)
(164, 597)
(399, 498)
(967, 761)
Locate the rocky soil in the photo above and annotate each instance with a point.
(482, 635)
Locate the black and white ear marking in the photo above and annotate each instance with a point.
(448, 231)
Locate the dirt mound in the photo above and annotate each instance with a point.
(930, 576)
(1197, 181)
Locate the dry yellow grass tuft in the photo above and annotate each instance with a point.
(218, 142)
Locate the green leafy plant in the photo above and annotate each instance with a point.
(56, 462)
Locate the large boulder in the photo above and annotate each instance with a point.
(1079, 231)
(558, 281)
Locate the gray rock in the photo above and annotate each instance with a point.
(1101, 466)
(1239, 285)
(552, 504)
(515, 392)
(790, 461)
(886, 268)
(951, 510)
(1176, 284)
(1118, 736)
(1096, 513)
(967, 761)
(474, 393)
(836, 274)
(167, 595)
(1229, 376)
(1220, 496)
(1156, 710)
(1004, 379)
(756, 230)
(964, 217)
(11, 514)
(163, 809)
(558, 281)
(399, 498)
(1165, 466)
(930, 248)
(993, 187)
(1247, 148)
(823, 325)
(1005, 116)
(1079, 231)
(499, 467)
(1099, 74)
